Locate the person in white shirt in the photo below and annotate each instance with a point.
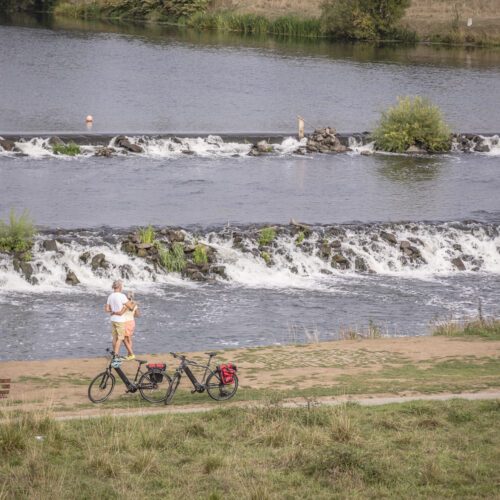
(114, 305)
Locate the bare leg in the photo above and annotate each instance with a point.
(127, 341)
(117, 343)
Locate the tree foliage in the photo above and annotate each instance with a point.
(362, 19)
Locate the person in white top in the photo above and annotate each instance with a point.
(114, 305)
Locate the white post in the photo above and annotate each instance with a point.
(301, 127)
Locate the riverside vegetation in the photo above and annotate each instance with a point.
(400, 20)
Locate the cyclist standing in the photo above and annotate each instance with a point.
(114, 305)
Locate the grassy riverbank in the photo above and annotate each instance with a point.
(437, 21)
(420, 449)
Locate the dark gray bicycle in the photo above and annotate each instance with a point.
(221, 384)
(152, 384)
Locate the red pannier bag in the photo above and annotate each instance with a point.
(158, 370)
(227, 372)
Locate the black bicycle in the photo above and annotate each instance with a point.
(219, 385)
(152, 384)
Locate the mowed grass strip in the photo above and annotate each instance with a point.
(417, 450)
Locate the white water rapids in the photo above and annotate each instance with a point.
(209, 146)
(294, 264)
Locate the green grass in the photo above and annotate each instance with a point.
(266, 236)
(480, 327)
(147, 235)
(256, 25)
(417, 450)
(70, 149)
(16, 235)
(173, 260)
(200, 255)
(413, 121)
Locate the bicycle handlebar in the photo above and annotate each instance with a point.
(179, 356)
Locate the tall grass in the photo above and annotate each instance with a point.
(419, 450)
(173, 260)
(413, 121)
(147, 235)
(487, 328)
(200, 256)
(256, 24)
(17, 234)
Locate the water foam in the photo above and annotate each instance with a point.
(327, 259)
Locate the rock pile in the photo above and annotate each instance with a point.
(123, 142)
(325, 140)
(203, 270)
(469, 143)
(262, 147)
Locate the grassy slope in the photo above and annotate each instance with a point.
(417, 450)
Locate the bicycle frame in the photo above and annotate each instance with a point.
(131, 386)
(184, 367)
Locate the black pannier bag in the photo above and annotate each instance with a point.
(158, 370)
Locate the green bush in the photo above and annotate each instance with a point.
(147, 235)
(363, 19)
(17, 235)
(412, 122)
(200, 255)
(172, 260)
(267, 236)
(478, 327)
(70, 149)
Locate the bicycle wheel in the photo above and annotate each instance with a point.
(151, 390)
(219, 391)
(101, 387)
(172, 388)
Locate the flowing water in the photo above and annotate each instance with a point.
(154, 84)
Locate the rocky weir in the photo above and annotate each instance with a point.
(322, 141)
(90, 259)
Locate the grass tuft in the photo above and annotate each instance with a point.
(173, 260)
(147, 235)
(200, 256)
(266, 236)
(70, 149)
(16, 236)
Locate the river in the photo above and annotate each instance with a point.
(152, 83)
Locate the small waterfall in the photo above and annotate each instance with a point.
(313, 258)
(210, 146)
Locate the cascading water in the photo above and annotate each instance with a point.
(311, 258)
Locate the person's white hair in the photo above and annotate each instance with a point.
(117, 284)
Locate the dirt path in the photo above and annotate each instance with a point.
(294, 403)
(386, 367)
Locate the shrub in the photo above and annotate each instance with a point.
(412, 122)
(267, 236)
(17, 235)
(200, 255)
(172, 260)
(70, 149)
(147, 234)
(362, 19)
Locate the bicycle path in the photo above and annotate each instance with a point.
(295, 403)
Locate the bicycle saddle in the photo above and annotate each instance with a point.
(141, 361)
(211, 354)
